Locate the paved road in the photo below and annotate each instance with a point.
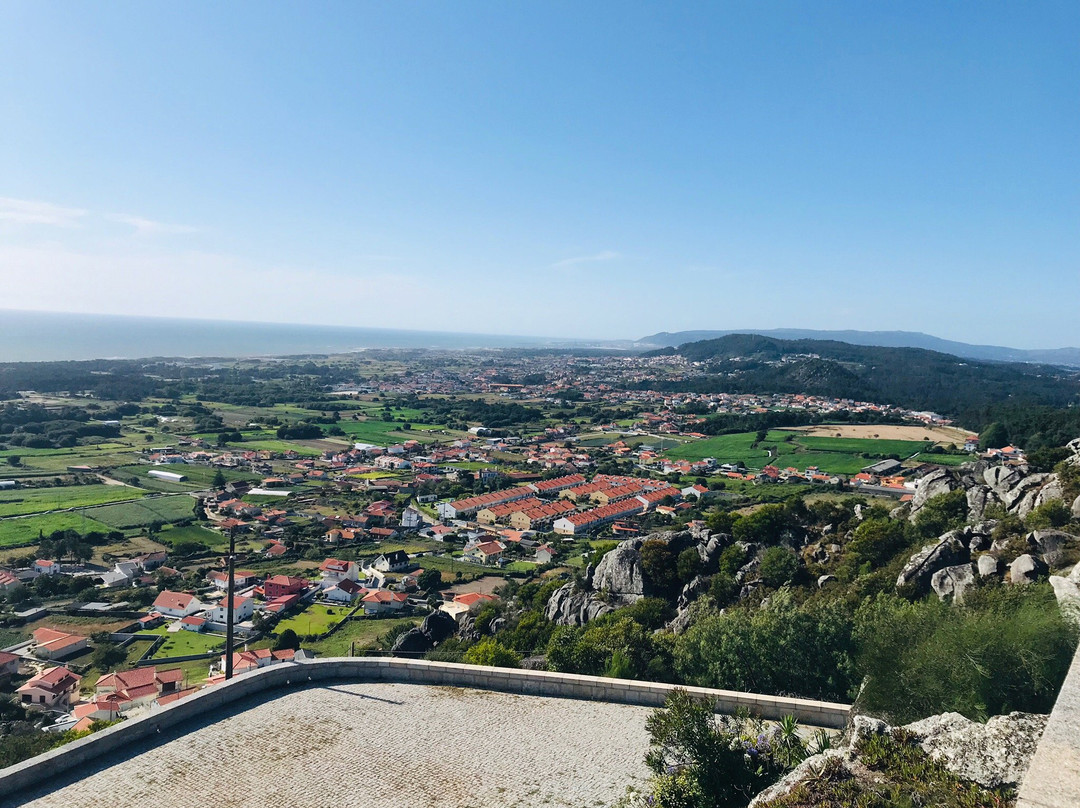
(390, 745)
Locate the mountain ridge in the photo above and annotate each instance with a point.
(1068, 357)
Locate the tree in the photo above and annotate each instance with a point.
(778, 566)
(995, 436)
(429, 579)
(219, 480)
(287, 639)
(660, 565)
(689, 564)
(491, 652)
(107, 655)
(14, 460)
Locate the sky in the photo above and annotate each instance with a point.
(567, 169)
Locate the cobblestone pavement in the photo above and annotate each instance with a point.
(376, 744)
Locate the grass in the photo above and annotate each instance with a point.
(385, 433)
(831, 455)
(24, 531)
(364, 632)
(315, 619)
(945, 459)
(275, 445)
(173, 535)
(196, 671)
(146, 512)
(184, 643)
(37, 500)
(199, 477)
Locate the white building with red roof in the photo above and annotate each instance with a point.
(177, 604)
(52, 689)
(52, 644)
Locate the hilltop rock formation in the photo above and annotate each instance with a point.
(997, 753)
(416, 642)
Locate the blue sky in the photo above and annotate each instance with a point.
(580, 169)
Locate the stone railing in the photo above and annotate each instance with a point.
(1053, 778)
(538, 683)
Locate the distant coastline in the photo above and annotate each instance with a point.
(32, 336)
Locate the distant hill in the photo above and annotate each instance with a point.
(914, 378)
(1066, 357)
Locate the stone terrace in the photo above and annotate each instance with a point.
(374, 743)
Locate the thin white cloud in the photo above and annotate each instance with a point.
(148, 227)
(28, 211)
(605, 255)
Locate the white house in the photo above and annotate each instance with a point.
(44, 566)
(344, 592)
(544, 554)
(177, 604)
(412, 518)
(381, 600)
(334, 572)
(53, 689)
(243, 609)
(392, 562)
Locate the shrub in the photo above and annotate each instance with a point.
(778, 566)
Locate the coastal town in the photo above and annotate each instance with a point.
(345, 541)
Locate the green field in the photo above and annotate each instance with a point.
(385, 433)
(37, 500)
(903, 448)
(199, 477)
(192, 533)
(145, 512)
(365, 632)
(23, 531)
(831, 455)
(184, 643)
(275, 445)
(315, 619)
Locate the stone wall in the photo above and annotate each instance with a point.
(539, 683)
(1053, 778)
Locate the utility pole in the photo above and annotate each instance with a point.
(229, 607)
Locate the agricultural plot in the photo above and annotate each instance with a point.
(145, 512)
(790, 448)
(903, 448)
(383, 433)
(364, 633)
(185, 643)
(315, 619)
(275, 445)
(38, 500)
(199, 477)
(174, 535)
(22, 531)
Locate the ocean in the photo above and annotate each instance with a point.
(31, 336)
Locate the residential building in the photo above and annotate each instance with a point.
(344, 592)
(488, 552)
(392, 562)
(243, 609)
(379, 601)
(334, 572)
(277, 586)
(52, 644)
(177, 604)
(52, 689)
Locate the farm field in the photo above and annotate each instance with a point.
(386, 432)
(275, 445)
(145, 512)
(199, 477)
(173, 535)
(365, 632)
(315, 619)
(906, 432)
(26, 530)
(36, 500)
(904, 448)
(792, 448)
(183, 643)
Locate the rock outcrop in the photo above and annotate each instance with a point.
(950, 582)
(1026, 569)
(437, 627)
(947, 551)
(997, 753)
(571, 605)
(993, 754)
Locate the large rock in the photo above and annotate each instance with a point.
(413, 643)
(438, 626)
(951, 582)
(1020, 499)
(1002, 478)
(1051, 545)
(1026, 569)
(619, 571)
(1076, 508)
(978, 499)
(1051, 490)
(939, 481)
(1068, 596)
(808, 768)
(993, 754)
(571, 606)
(987, 566)
(947, 551)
